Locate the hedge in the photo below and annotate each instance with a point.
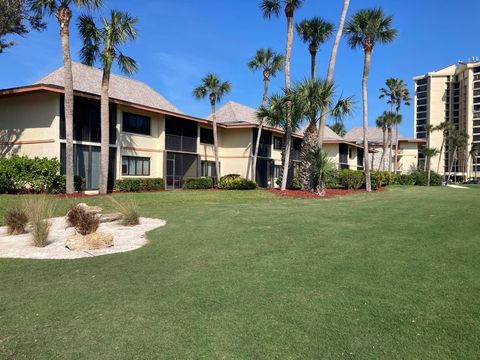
(37, 175)
(351, 179)
(236, 182)
(198, 183)
(139, 184)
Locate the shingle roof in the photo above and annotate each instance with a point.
(88, 79)
(374, 135)
(235, 113)
(329, 134)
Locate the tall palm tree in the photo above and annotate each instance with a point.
(474, 153)
(270, 63)
(271, 8)
(103, 44)
(458, 141)
(61, 9)
(365, 29)
(397, 94)
(429, 153)
(444, 127)
(314, 32)
(381, 123)
(213, 88)
(331, 68)
(317, 95)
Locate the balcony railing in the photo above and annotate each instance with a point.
(180, 143)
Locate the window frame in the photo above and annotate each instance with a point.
(204, 129)
(126, 115)
(136, 159)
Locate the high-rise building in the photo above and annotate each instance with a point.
(452, 95)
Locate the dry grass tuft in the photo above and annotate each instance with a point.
(39, 209)
(83, 221)
(129, 211)
(16, 220)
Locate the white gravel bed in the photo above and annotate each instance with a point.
(125, 238)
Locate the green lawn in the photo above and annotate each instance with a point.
(248, 275)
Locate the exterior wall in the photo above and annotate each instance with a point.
(148, 146)
(407, 157)
(235, 151)
(30, 125)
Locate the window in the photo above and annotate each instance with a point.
(137, 124)
(136, 166)
(422, 81)
(476, 70)
(206, 136)
(422, 88)
(208, 169)
(277, 143)
(422, 102)
(421, 108)
(277, 171)
(350, 153)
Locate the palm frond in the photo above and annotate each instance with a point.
(270, 8)
(126, 64)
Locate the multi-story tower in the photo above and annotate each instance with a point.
(451, 95)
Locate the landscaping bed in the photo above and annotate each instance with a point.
(311, 195)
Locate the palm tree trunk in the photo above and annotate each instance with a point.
(215, 141)
(396, 149)
(429, 171)
(266, 81)
(331, 69)
(384, 147)
(476, 167)
(451, 165)
(313, 55)
(64, 15)
(390, 145)
(440, 155)
(366, 73)
(288, 55)
(105, 131)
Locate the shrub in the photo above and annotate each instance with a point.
(421, 178)
(333, 181)
(39, 210)
(25, 174)
(236, 182)
(351, 179)
(16, 220)
(139, 184)
(198, 183)
(129, 211)
(404, 179)
(381, 178)
(85, 222)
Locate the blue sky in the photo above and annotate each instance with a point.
(180, 41)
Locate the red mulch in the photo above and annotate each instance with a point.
(310, 195)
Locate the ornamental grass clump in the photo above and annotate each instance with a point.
(16, 220)
(84, 222)
(39, 209)
(129, 211)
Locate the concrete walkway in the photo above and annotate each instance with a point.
(458, 187)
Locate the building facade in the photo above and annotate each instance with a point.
(451, 95)
(149, 136)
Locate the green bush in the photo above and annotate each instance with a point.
(333, 180)
(421, 178)
(198, 183)
(404, 179)
(351, 179)
(235, 182)
(59, 184)
(381, 178)
(139, 184)
(24, 174)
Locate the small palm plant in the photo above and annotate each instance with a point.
(322, 167)
(103, 44)
(365, 29)
(213, 88)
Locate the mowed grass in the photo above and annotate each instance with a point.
(248, 275)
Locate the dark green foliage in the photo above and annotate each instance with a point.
(351, 179)
(83, 221)
(333, 181)
(235, 182)
(16, 220)
(24, 174)
(139, 184)
(382, 178)
(198, 183)
(420, 178)
(404, 179)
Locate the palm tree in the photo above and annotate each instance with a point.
(61, 9)
(103, 44)
(338, 128)
(381, 123)
(272, 8)
(429, 153)
(444, 127)
(270, 63)
(331, 68)
(397, 94)
(474, 153)
(317, 95)
(213, 88)
(365, 29)
(458, 141)
(322, 167)
(314, 32)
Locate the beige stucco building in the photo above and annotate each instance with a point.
(149, 136)
(452, 95)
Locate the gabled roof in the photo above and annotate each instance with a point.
(329, 134)
(235, 113)
(374, 135)
(89, 79)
